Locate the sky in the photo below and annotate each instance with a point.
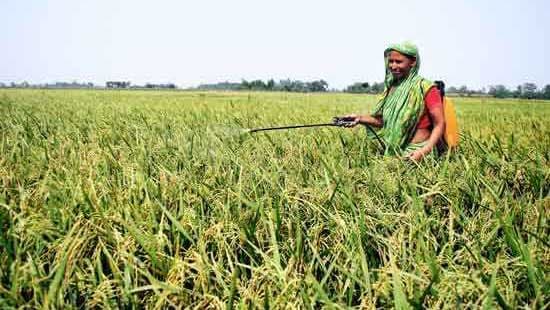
(470, 42)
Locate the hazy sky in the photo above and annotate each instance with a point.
(472, 42)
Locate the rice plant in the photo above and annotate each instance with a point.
(130, 199)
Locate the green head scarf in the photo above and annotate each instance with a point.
(401, 108)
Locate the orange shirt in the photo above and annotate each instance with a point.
(431, 101)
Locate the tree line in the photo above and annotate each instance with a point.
(62, 85)
(75, 84)
(523, 91)
(128, 84)
(365, 88)
(526, 91)
(269, 85)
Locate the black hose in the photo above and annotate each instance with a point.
(382, 144)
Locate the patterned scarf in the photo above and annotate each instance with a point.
(402, 107)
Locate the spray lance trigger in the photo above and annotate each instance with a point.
(343, 121)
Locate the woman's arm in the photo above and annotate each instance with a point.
(365, 120)
(438, 119)
(371, 120)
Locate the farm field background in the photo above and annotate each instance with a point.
(127, 198)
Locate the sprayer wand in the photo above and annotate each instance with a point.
(336, 122)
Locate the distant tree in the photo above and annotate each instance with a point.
(365, 87)
(317, 86)
(499, 91)
(358, 88)
(257, 85)
(285, 85)
(167, 86)
(300, 86)
(545, 92)
(117, 84)
(529, 90)
(271, 85)
(219, 86)
(517, 92)
(377, 88)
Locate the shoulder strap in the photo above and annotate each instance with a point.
(441, 87)
(425, 86)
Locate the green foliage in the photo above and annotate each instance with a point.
(117, 199)
(270, 85)
(499, 91)
(374, 88)
(117, 84)
(524, 91)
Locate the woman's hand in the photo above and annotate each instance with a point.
(418, 154)
(353, 120)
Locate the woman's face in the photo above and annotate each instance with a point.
(400, 65)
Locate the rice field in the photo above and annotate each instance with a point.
(137, 199)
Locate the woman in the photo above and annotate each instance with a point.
(410, 113)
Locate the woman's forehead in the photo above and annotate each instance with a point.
(398, 55)
(395, 53)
